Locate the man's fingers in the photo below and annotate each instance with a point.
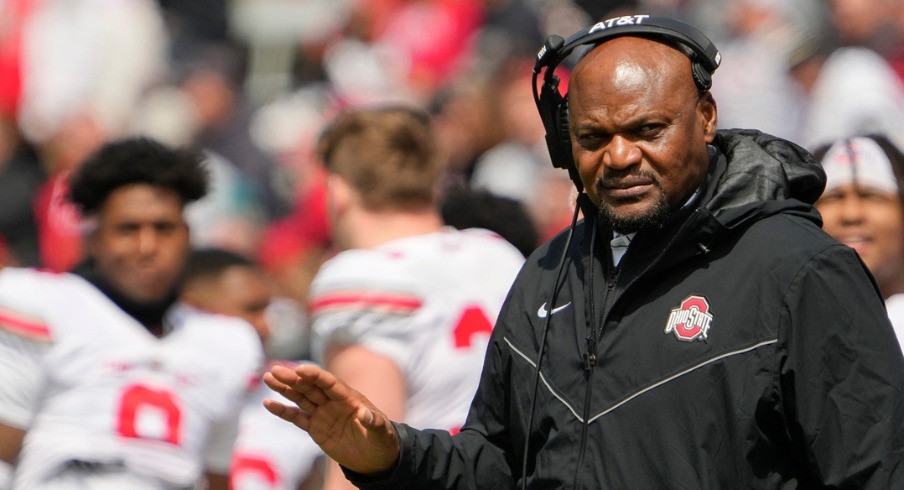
(329, 384)
(286, 382)
(273, 383)
(289, 414)
(367, 417)
(283, 374)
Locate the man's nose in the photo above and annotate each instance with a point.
(621, 153)
(851, 209)
(148, 239)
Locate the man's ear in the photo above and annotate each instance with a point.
(709, 116)
(339, 193)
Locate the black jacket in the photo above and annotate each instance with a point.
(739, 347)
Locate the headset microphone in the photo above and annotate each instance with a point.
(545, 56)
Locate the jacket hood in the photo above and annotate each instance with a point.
(757, 173)
(752, 175)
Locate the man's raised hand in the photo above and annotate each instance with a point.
(341, 420)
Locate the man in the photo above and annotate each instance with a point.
(405, 311)
(705, 332)
(105, 382)
(862, 208)
(265, 455)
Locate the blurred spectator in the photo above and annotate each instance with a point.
(293, 247)
(196, 23)
(868, 23)
(21, 174)
(862, 206)
(59, 223)
(212, 78)
(466, 125)
(847, 90)
(4, 261)
(85, 65)
(510, 29)
(519, 166)
(13, 15)
(464, 208)
(512, 167)
(207, 107)
(875, 24)
(401, 49)
(89, 59)
(754, 88)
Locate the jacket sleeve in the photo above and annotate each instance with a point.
(476, 458)
(842, 376)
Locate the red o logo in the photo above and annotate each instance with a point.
(690, 320)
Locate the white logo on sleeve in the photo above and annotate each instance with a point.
(542, 312)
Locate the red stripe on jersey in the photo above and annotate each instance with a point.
(24, 326)
(367, 301)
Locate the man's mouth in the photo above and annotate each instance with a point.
(630, 188)
(857, 242)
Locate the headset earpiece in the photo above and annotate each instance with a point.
(553, 106)
(702, 78)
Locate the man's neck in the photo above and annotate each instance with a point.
(891, 287)
(368, 229)
(149, 314)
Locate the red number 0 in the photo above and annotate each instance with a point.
(246, 466)
(138, 403)
(472, 322)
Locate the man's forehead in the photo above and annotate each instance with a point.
(637, 54)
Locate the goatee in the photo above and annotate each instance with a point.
(653, 218)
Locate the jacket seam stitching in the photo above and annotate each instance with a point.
(682, 373)
(543, 378)
(643, 390)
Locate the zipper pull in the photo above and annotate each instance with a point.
(589, 361)
(590, 355)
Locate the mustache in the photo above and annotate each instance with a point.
(620, 179)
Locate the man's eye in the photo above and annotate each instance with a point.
(648, 130)
(590, 140)
(828, 199)
(878, 197)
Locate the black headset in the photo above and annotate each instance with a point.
(553, 106)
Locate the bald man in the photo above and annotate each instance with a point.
(702, 331)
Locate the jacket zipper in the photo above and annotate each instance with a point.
(590, 358)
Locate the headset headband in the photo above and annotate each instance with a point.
(553, 106)
(557, 49)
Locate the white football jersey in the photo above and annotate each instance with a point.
(270, 453)
(89, 383)
(427, 302)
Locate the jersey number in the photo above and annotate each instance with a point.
(251, 468)
(148, 413)
(472, 322)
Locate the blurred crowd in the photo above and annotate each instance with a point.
(253, 81)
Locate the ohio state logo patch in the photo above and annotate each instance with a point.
(690, 320)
